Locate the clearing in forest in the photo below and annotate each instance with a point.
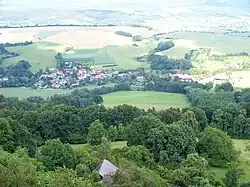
(146, 99)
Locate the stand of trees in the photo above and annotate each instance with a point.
(17, 75)
(158, 62)
(123, 33)
(4, 54)
(16, 44)
(172, 147)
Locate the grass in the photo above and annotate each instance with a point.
(219, 43)
(114, 145)
(244, 161)
(146, 99)
(39, 55)
(23, 93)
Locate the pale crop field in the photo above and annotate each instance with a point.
(97, 37)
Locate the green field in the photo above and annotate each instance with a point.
(40, 55)
(113, 145)
(23, 93)
(219, 43)
(145, 99)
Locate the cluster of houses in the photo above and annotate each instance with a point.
(182, 77)
(71, 76)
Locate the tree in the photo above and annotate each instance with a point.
(138, 154)
(169, 116)
(226, 87)
(233, 176)
(217, 147)
(112, 133)
(6, 135)
(54, 154)
(139, 129)
(137, 177)
(165, 45)
(189, 119)
(18, 169)
(63, 177)
(96, 132)
(193, 171)
(200, 116)
(171, 143)
(137, 38)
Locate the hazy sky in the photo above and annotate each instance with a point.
(107, 4)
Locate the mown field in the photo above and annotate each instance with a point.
(23, 93)
(146, 99)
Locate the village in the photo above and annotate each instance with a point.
(76, 75)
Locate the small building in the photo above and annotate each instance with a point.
(106, 171)
(140, 79)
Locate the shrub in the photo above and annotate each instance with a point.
(122, 33)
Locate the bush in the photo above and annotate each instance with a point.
(137, 38)
(162, 46)
(122, 33)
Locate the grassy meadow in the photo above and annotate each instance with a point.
(40, 55)
(146, 99)
(23, 92)
(219, 43)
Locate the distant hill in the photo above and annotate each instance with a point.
(230, 3)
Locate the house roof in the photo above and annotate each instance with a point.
(106, 168)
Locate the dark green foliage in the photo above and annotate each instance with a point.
(137, 38)
(200, 116)
(226, 87)
(232, 120)
(63, 177)
(233, 176)
(6, 135)
(122, 33)
(171, 143)
(217, 147)
(138, 154)
(193, 171)
(189, 119)
(54, 154)
(162, 46)
(139, 129)
(169, 116)
(16, 75)
(16, 44)
(17, 169)
(138, 177)
(164, 63)
(96, 133)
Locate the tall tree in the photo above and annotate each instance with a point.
(189, 119)
(96, 133)
(217, 147)
(55, 154)
(139, 129)
(6, 135)
(233, 176)
(171, 143)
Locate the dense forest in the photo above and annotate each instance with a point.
(172, 147)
